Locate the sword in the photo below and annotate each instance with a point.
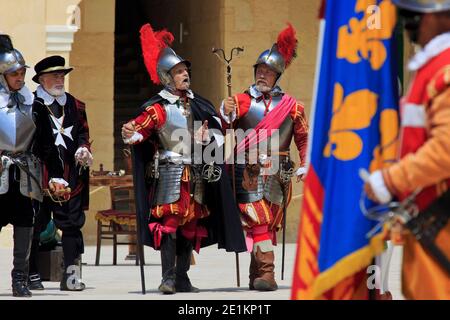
(286, 174)
(221, 54)
(424, 225)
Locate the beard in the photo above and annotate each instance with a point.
(262, 87)
(56, 92)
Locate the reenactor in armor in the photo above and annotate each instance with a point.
(186, 203)
(263, 199)
(20, 171)
(421, 177)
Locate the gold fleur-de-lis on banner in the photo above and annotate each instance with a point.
(385, 153)
(361, 39)
(354, 112)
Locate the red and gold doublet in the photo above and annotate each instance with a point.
(186, 208)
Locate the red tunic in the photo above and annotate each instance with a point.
(186, 208)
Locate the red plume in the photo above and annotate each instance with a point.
(153, 43)
(287, 44)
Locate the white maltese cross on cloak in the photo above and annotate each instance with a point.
(60, 131)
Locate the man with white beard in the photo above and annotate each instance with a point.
(264, 109)
(66, 160)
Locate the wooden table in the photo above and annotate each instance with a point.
(114, 181)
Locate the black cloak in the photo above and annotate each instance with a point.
(223, 224)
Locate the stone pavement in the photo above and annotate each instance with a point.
(214, 273)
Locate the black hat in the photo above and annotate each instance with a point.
(50, 64)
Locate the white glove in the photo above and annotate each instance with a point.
(300, 173)
(379, 188)
(59, 180)
(136, 137)
(84, 157)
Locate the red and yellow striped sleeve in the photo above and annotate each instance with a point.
(153, 117)
(301, 130)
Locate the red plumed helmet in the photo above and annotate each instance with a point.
(280, 56)
(287, 44)
(153, 43)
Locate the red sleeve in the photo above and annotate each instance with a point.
(300, 131)
(243, 101)
(153, 117)
(83, 127)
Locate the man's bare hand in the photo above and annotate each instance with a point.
(202, 134)
(229, 105)
(58, 189)
(128, 129)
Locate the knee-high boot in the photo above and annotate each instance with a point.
(19, 274)
(253, 271)
(168, 254)
(266, 276)
(72, 248)
(183, 283)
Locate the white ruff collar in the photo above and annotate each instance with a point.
(49, 99)
(25, 92)
(174, 98)
(431, 50)
(255, 93)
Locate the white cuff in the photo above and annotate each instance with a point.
(83, 155)
(300, 171)
(59, 180)
(136, 137)
(379, 187)
(226, 117)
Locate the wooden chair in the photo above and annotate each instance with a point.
(119, 220)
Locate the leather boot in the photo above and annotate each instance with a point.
(253, 271)
(266, 279)
(19, 285)
(182, 282)
(34, 279)
(168, 254)
(71, 280)
(35, 282)
(19, 274)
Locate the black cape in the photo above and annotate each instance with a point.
(223, 224)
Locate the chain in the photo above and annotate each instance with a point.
(56, 118)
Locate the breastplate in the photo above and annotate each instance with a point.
(256, 114)
(16, 128)
(175, 137)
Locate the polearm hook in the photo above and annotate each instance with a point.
(221, 54)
